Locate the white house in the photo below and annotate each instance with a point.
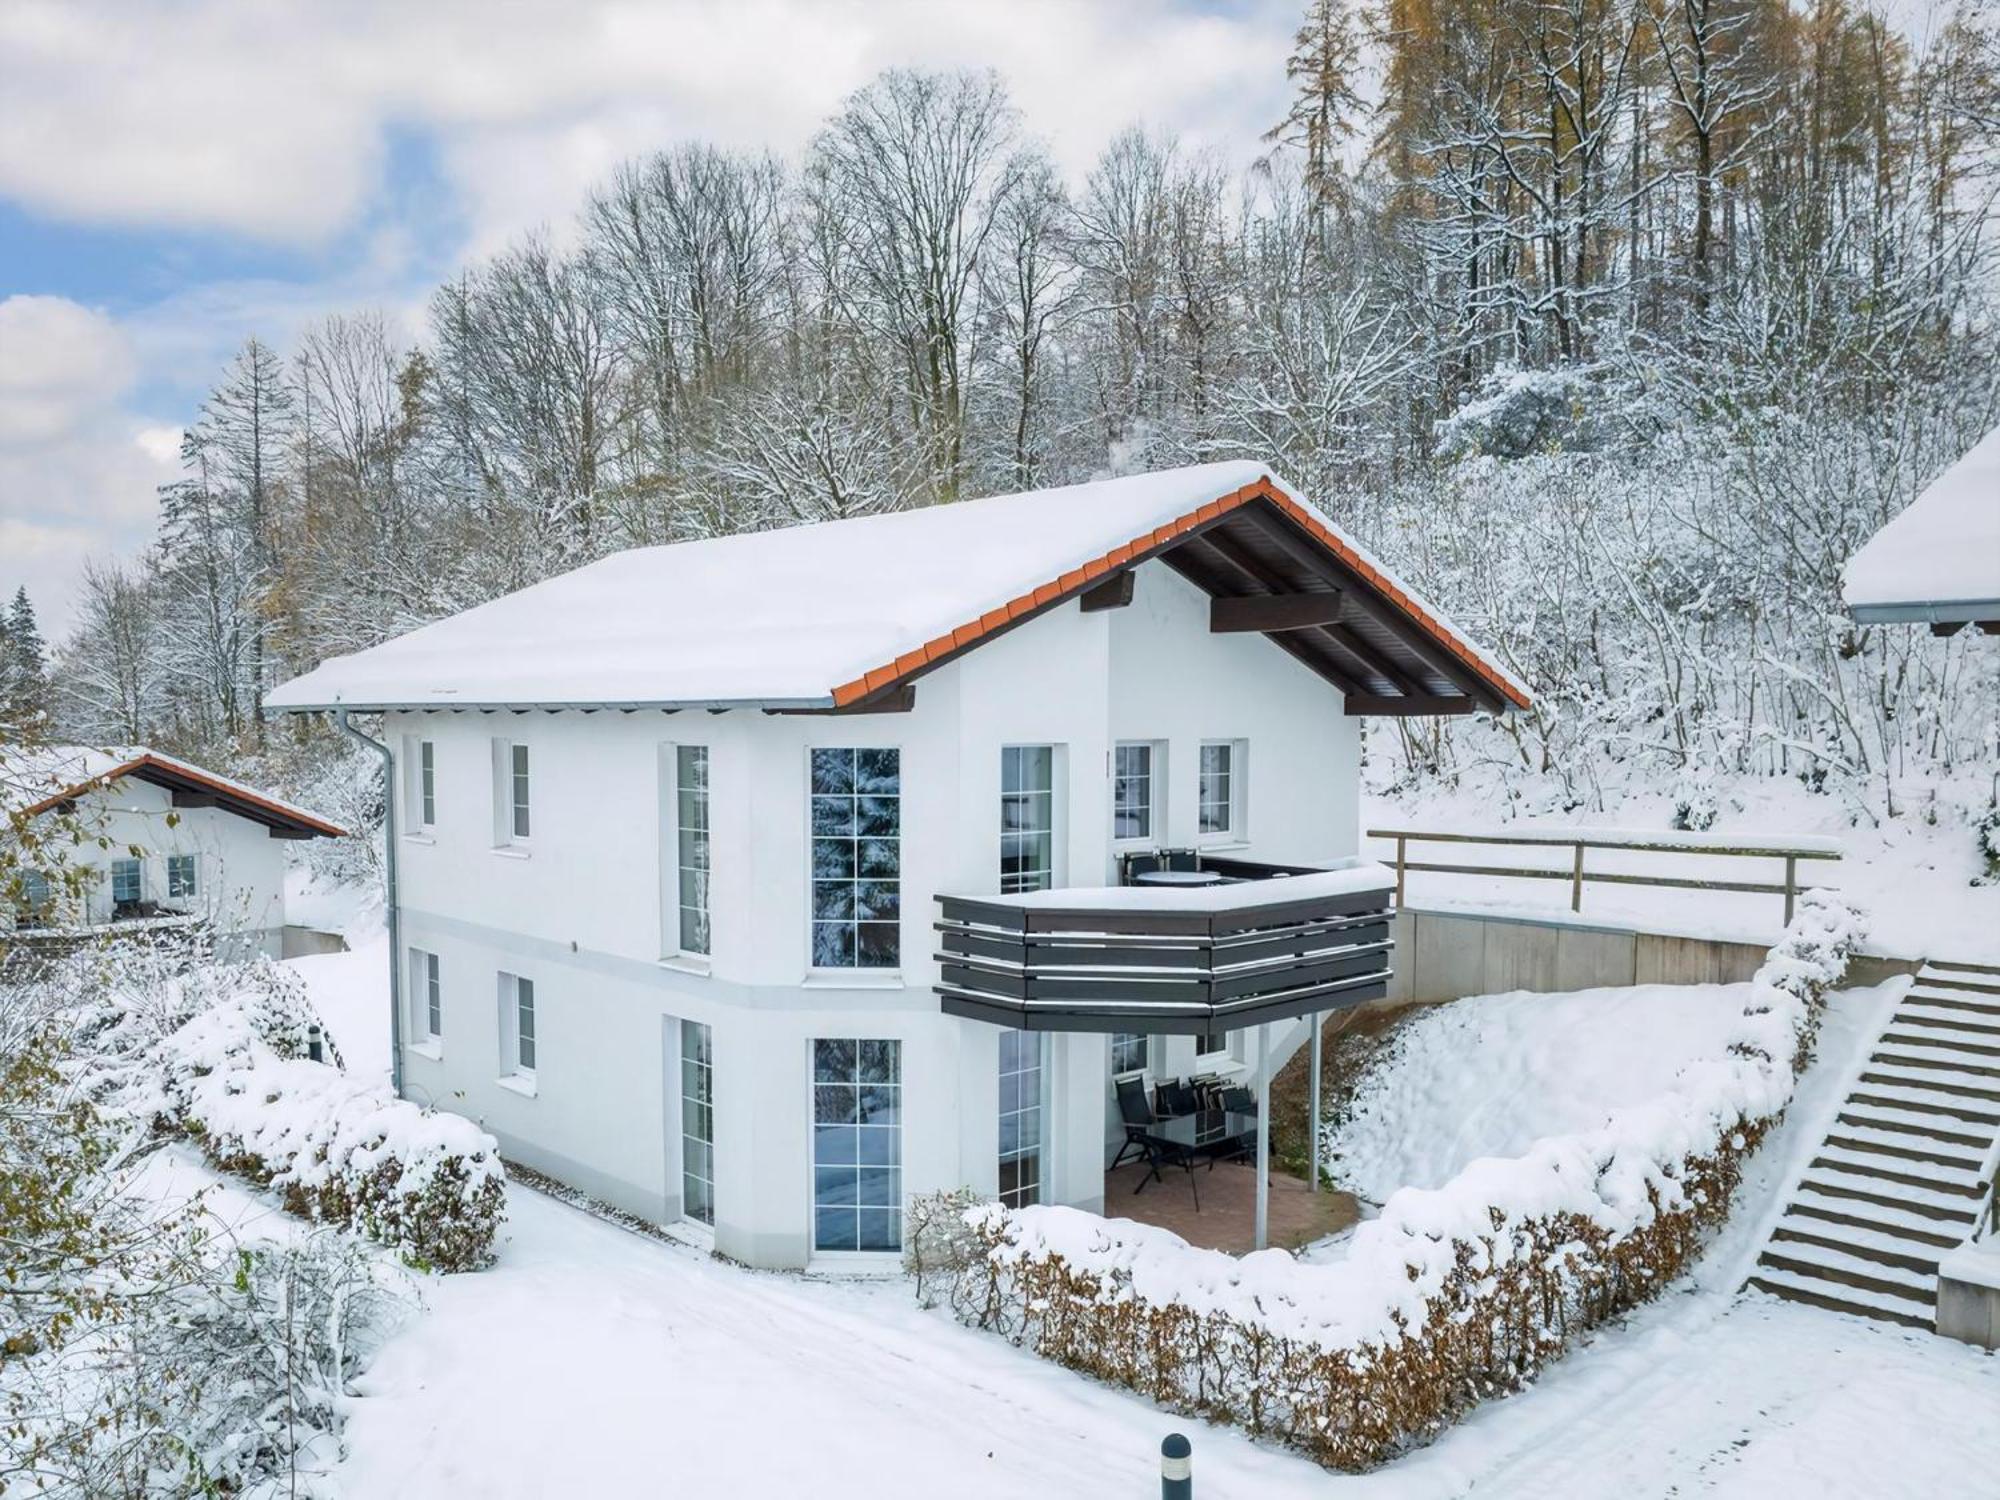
(1937, 560)
(761, 882)
(153, 840)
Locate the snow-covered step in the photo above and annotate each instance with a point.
(1951, 1111)
(1980, 1045)
(1971, 982)
(1855, 1273)
(1950, 997)
(1938, 1079)
(1918, 1021)
(1988, 972)
(1929, 1176)
(1901, 1146)
(1977, 1071)
(1884, 1247)
(1919, 1124)
(1814, 1202)
(1834, 1298)
(1837, 1180)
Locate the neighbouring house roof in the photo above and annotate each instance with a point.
(839, 614)
(36, 781)
(1939, 560)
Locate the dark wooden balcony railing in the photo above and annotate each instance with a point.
(1124, 958)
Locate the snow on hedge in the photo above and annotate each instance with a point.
(1452, 1293)
(429, 1185)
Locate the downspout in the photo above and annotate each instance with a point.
(389, 893)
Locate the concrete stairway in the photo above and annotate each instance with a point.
(1896, 1183)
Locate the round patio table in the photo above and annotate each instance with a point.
(1177, 877)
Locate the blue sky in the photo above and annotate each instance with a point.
(179, 176)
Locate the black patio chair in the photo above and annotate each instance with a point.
(1173, 1098)
(1238, 1100)
(1138, 1116)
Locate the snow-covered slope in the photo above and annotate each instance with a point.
(1493, 1074)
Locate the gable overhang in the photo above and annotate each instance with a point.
(191, 787)
(1347, 621)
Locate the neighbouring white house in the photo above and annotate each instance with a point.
(762, 882)
(1938, 559)
(151, 842)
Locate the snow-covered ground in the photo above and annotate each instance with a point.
(1912, 876)
(595, 1361)
(1492, 1074)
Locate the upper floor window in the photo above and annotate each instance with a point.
(128, 884)
(37, 897)
(183, 879)
(511, 821)
(419, 783)
(1027, 818)
(1132, 784)
(1220, 797)
(691, 845)
(857, 858)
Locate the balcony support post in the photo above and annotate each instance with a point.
(1313, 1087)
(1263, 1136)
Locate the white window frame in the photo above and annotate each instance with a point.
(507, 812)
(856, 974)
(1058, 790)
(1227, 1051)
(695, 1071)
(1155, 836)
(191, 863)
(419, 787)
(902, 1086)
(514, 1070)
(1239, 760)
(673, 836)
(1039, 1041)
(426, 973)
(138, 867)
(1145, 1046)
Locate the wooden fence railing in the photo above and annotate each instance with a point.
(1578, 841)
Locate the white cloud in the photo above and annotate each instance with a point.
(272, 121)
(77, 472)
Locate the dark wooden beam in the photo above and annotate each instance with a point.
(1989, 627)
(1114, 592)
(291, 833)
(1406, 706)
(1265, 613)
(1345, 636)
(1944, 628)
(194, 799)
(1293, 643)
(1382, 610)
(900, 699)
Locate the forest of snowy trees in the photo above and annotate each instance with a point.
(1616, 327)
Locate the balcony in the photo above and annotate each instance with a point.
(1231, 943)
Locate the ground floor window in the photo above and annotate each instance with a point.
(1020, 1118)
(427, 995)
(857, 1145)
(128, 886)
(1211, 1044)
(1128, 1052)
(697, 1122)
(517, 1026)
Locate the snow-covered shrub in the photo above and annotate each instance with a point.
(1518, 412)
(1987, 832)
(1695, 807)
(430, 1185)
(1453, 1294)
(938, 1242)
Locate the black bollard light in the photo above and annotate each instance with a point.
(1176, 1468)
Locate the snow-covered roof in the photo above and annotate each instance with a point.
(816, 616)
(1940, 559)
(33, 781)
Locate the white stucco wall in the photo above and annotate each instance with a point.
(240, 869)
(578, 908)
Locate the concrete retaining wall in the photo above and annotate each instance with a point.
(1447, 955)
(1968, 1296)
(304, 942)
